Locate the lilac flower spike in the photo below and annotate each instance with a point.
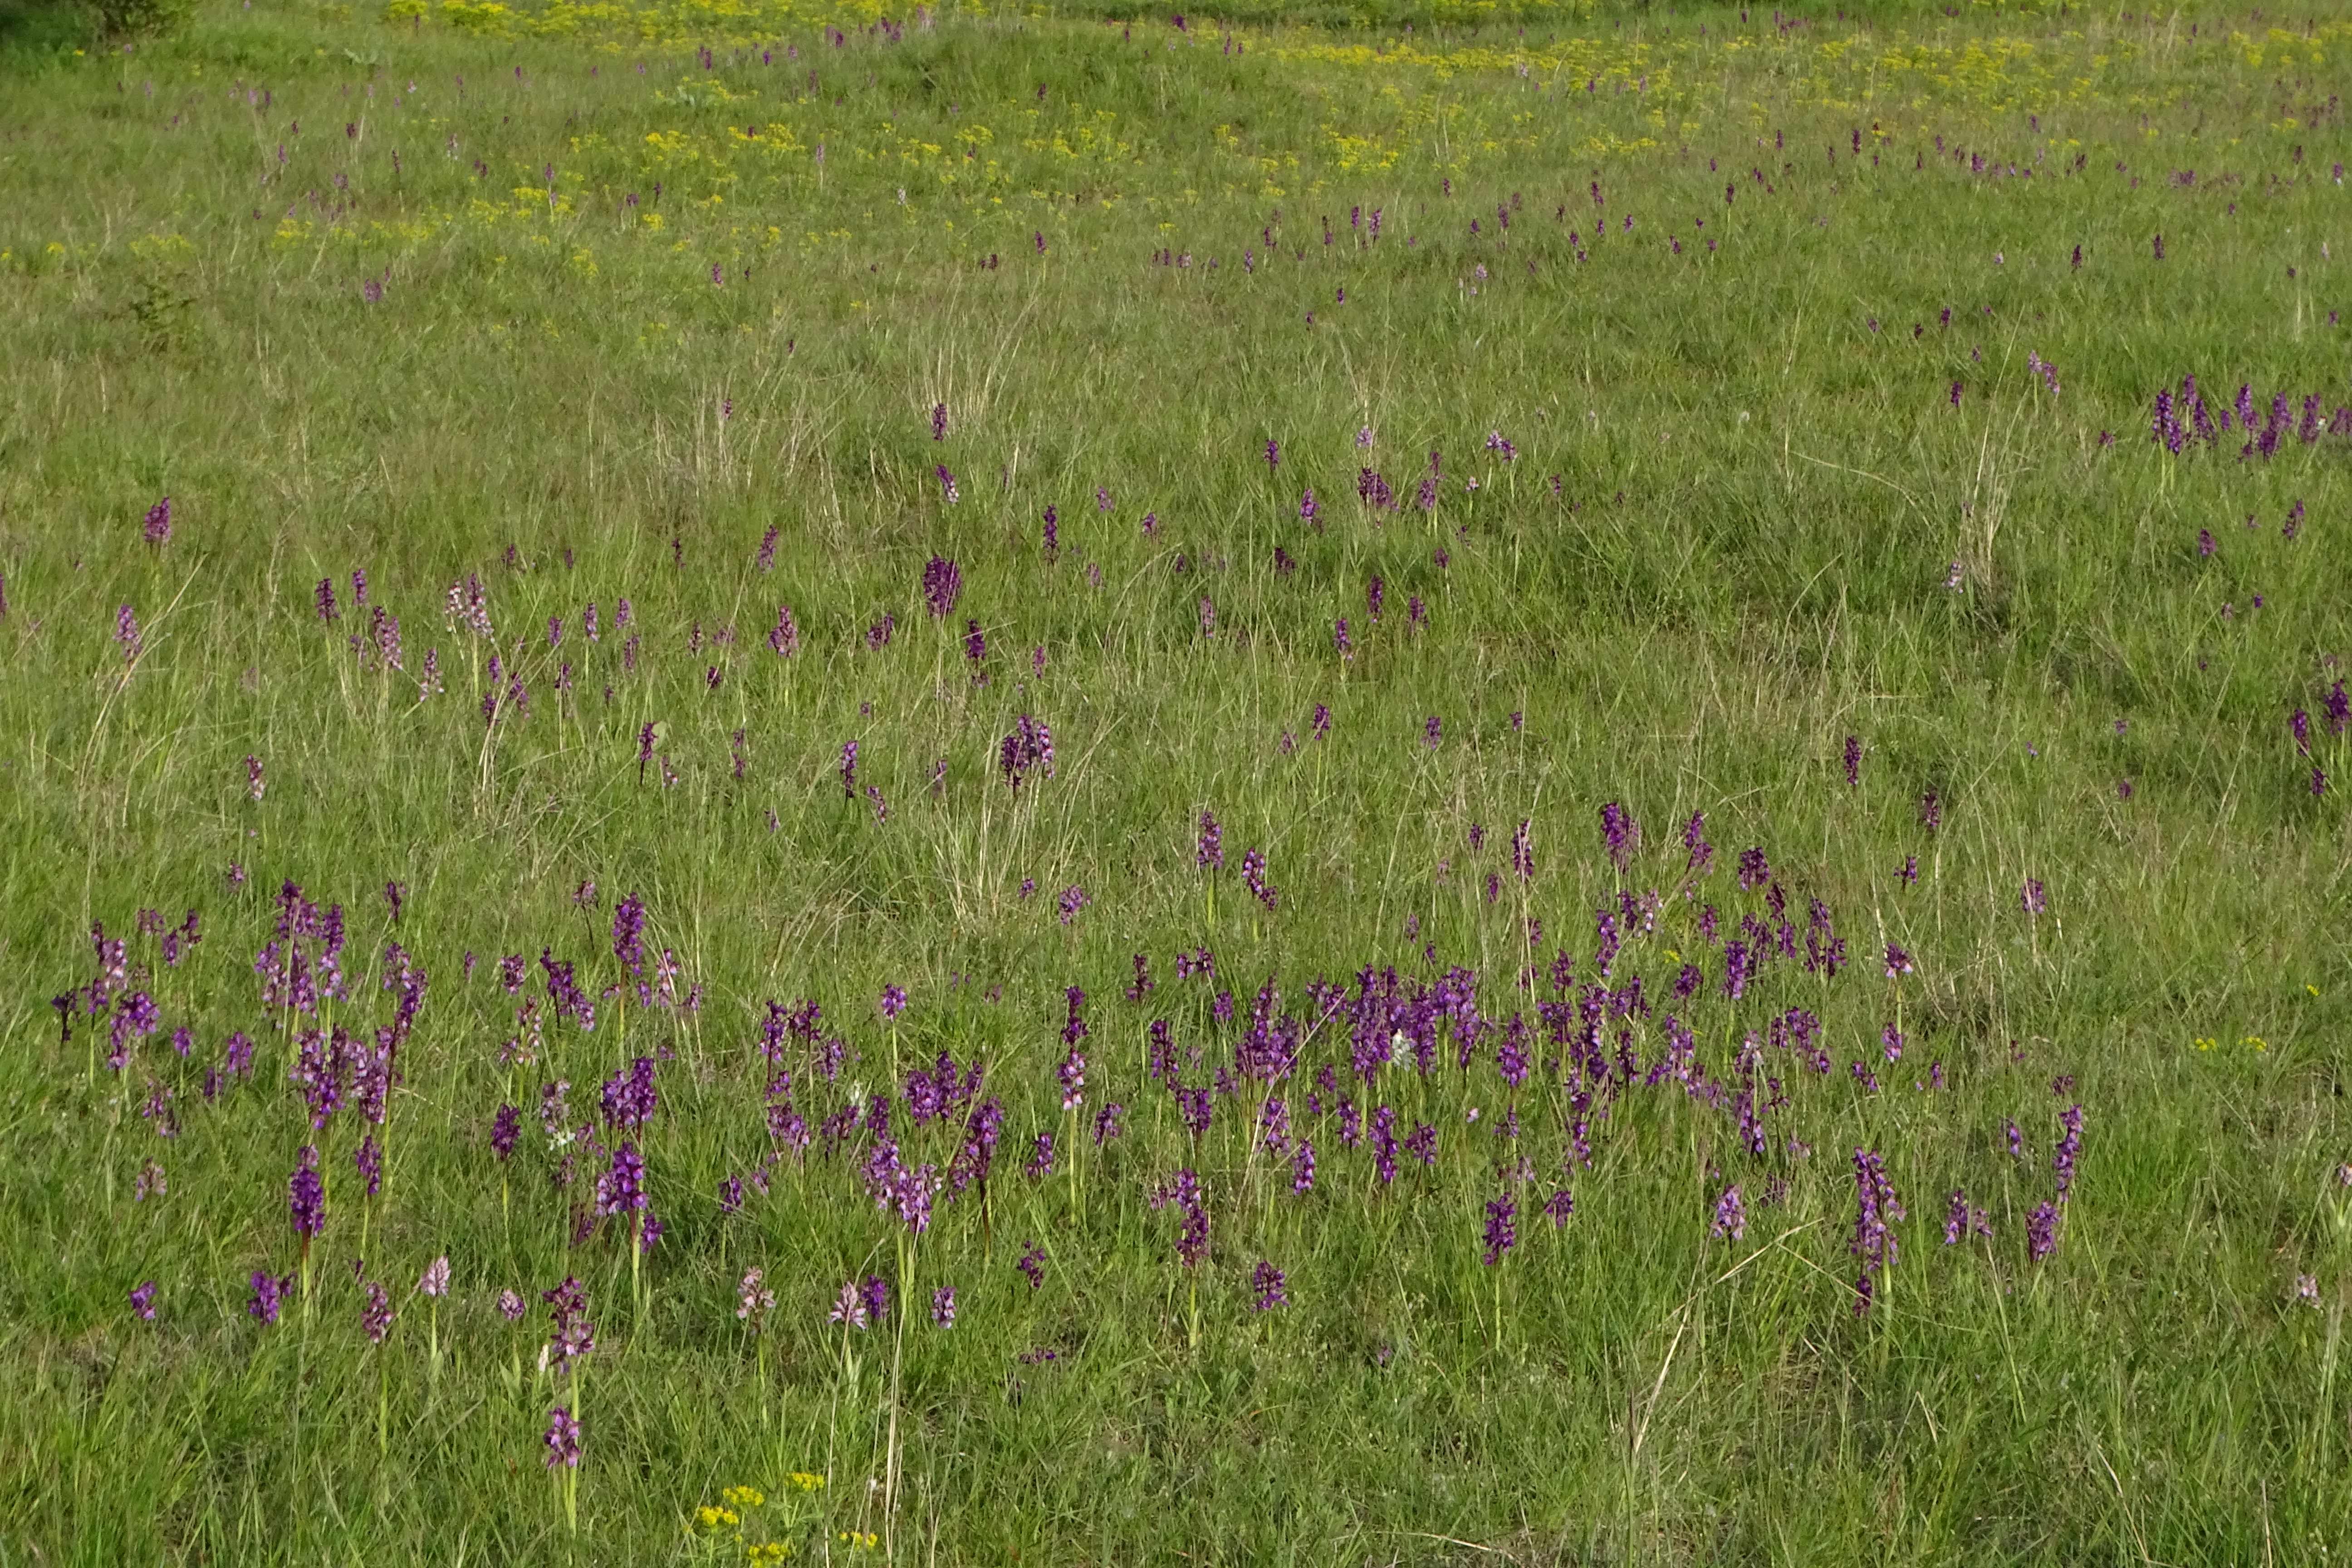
(1730, 1216)
(849, 1307)
(435, 1281)
(753, 1297)
(158, 527)
(142, 1300)
(376, 1313)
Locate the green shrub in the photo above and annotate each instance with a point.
(118, 19)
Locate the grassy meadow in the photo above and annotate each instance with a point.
(1420, 784)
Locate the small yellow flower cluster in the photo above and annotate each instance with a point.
(724, 1531)
(860, 1540)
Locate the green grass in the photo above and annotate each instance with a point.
(1740, 485)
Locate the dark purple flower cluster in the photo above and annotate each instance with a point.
(574, 1336)
(2040, 1232)
(860, 1305)
(2070, 1148)
(629, 933)
(2183, 418)
(1502, 1233)
(1621, 834)
(628, 1097)
(1028, 749)
(1253, 878)
(1268, 1282)
(1963, 1218)
(1184, 1190)
(306, 1197)
(621, 1189)
(563, 989)
(1877, 1207)
(562, 1439)
(942, 580)
(268, 1290)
